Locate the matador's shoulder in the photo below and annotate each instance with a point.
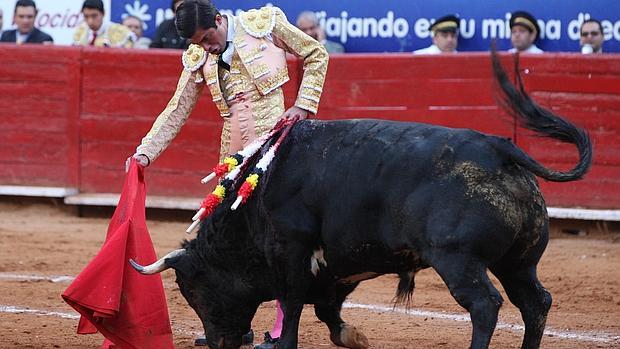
(119, 35)
(260, 23)
(194, 57)
(80, 33)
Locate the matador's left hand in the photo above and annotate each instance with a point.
(295, 111)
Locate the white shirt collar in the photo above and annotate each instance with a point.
(100, 32)
(532, 49)
(21, 38)
(227, 55)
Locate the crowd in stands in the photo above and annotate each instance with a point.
(94, 31)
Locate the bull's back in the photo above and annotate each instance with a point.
(363, 154)
(376, 185)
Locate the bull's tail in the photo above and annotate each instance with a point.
(542, 121)
(406, 285)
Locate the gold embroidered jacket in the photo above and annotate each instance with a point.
(258, 70)
(110, 35)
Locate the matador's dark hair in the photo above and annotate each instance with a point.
(93, 4)
(195, 14)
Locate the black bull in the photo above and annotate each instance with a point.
(346, 201)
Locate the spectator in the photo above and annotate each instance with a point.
(524, 32)
(136, 26)
(445, 34)
(591, 37)
(166, 35)
(1, 16)
(309, 24)
(95, 32)
(24, 16)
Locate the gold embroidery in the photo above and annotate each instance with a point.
(225, 140)
(100, 41)
(79, 37)
(273, 82)
(266, 110)
(315, 60)
(199, 78)
(258, 69)
(172, 118)
(194, 57)
(118, 35)
(211, 74)
(258, 23)
(247, 55)
(115, 35)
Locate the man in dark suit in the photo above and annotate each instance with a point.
(24, 16)
(166, 35)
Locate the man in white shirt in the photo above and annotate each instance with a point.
(136, 26)
(524, 32)
(591, 37)
(445, 34)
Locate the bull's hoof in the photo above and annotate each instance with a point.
(351, 337)
(247, 341)
(269, 343)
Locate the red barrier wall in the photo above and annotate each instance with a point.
(587, 92)
(71, 116)
(39, 111)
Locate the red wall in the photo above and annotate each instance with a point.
(39, 116)
(71, 116)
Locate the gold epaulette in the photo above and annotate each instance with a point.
(118, 35)
(194, 57)
(79, 34)
(259, 23)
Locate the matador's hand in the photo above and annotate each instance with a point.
(142, 159)
(295, 111)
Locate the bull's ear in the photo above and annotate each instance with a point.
(183, 264)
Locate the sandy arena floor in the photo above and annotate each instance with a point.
(39, 242)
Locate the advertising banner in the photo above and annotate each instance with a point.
(56, 18)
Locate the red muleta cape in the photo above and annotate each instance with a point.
(128, 308)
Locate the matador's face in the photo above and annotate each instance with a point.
(213, 40)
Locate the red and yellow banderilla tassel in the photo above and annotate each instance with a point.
(207, 206)
(222, 168)
(247, 188)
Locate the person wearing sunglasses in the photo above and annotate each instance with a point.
(591, 37)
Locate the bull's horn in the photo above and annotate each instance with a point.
(158, 266)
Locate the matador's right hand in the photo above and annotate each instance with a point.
(142, 160)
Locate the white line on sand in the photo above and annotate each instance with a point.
(31, 277)
(16, 310)
(73, 316)
(589, 336)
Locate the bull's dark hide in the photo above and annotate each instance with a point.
(378, 197)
